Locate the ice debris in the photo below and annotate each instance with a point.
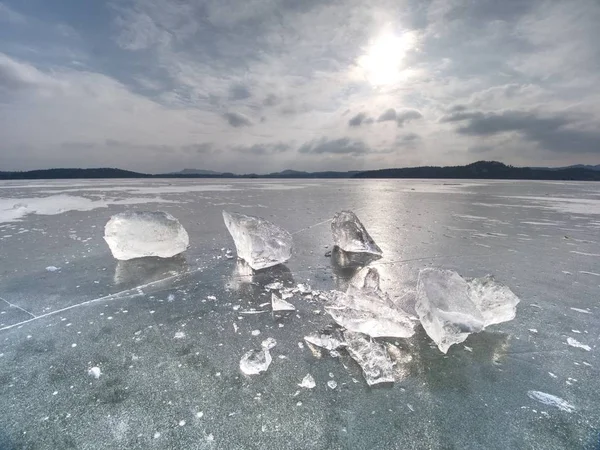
(95, 372)
(371, 356)
(551, 400)
(328, 339)
(255, 361)
(365, 308)
(134, 234)
(350, 235)
(332, 384)
(52, 268)
(259, 242)
(450, 307)
(278, 304)
(308, 382)
(268, 343)
(575, 343)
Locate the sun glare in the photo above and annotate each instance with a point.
(382, 61)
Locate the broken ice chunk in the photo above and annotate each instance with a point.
(450, 307)
(278, 304)
(308, 382)
(255, 361)
(496, 302)
(364, 308)
(327, 339)
(371, 356)
(350, 235)
(138, 234)
(259, 242)
(95, 372)
(332, 384)
(268, 343)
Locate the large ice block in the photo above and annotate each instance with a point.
(138, 234)
(451, 307)
(259, 242)
(350, 235)
(365, 308)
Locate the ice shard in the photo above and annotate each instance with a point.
(365, 308)
(371, 356)
(350, 235)
(138, 234)
(330, 339)
(259, 242)
(308, 382)
(451, 307)
(278, 304)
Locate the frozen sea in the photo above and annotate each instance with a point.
(166, 336)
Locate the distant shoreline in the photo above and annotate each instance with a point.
(482, 170)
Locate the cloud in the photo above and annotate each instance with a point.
(401, 117)
(11, 16)
(558, 133)
(263, 149)
(236, 119)
(358, 119)
(239, 92)
(15, 75)
(342, 146)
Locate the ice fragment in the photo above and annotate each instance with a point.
(350, 235)
(134, 234)
(575, 343)
(259, 242)
(364, 308)
(255, 361)
(278, 304)
(450, 307)
(308, 382)
(371, 356)
(268, 343)
(95, 372)
(332, 384)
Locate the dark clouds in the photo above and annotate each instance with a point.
(558, 133)
(357, 120)
(237, 119)
(401, 117)
(263, 149)
(342, 146)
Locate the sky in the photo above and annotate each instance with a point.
(266, 85)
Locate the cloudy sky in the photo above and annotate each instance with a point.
(266, 85)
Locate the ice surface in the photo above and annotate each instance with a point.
(134, 234)
(371, 356)
(308, 382)
(450, 307)
(255, 361)
(364, 308)
(575, 343)
(278, 304)
(551, 400)
(350, 235)
(259, 242)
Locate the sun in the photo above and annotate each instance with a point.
(381, 63)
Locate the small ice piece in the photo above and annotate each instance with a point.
(52, 268)
(259, 242)
(450, 307)
(275, 286)
(327, 339)
(371, 356)
(134, 234)
(350, 235)
(364, 308)
(255, 361)
(179, 335)
(332, 384)
(268, 343)
(551, 400)
(575, 343)
(255, 332)
(308, 382)
(182, 423)
(304, 288)
(95, 372)
(278, 304)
